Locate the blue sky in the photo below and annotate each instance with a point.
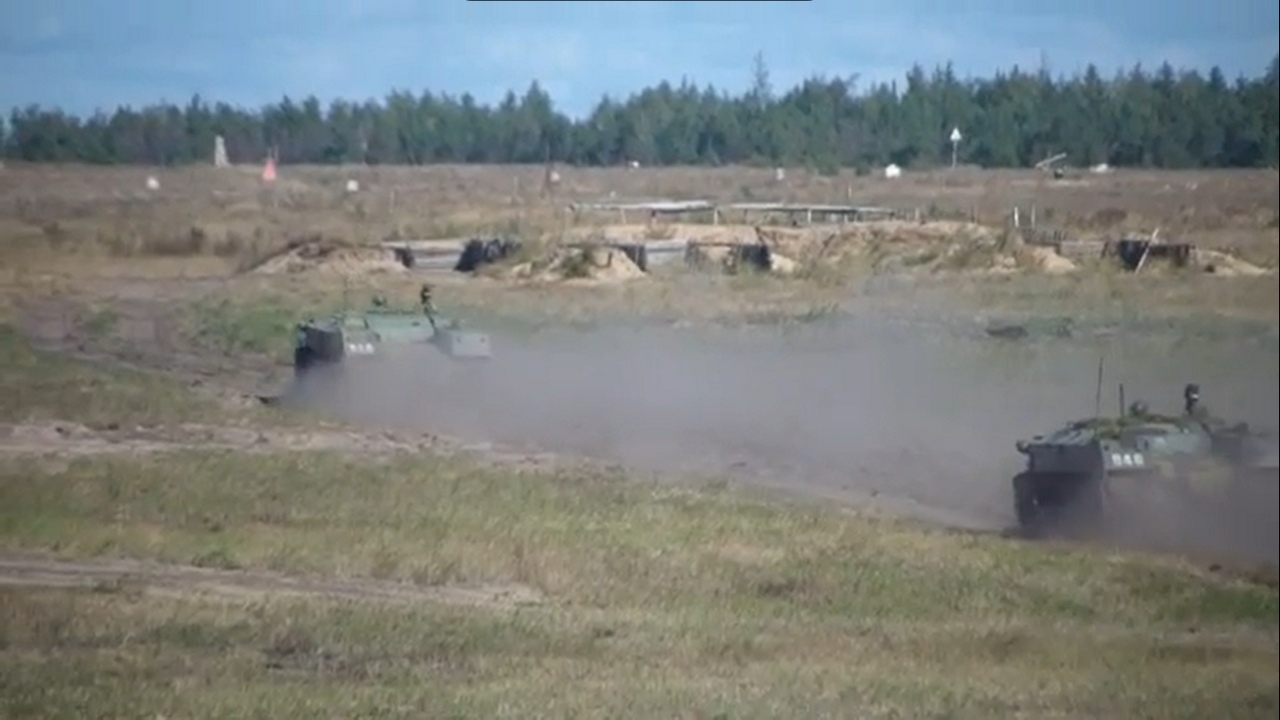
(87, 54)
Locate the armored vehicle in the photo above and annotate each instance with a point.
(368, 334)
(1089, 465)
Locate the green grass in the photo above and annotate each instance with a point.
(102, 654)
(584, 538)
(261, 321)
(1123, 297)
(43, 387)
(38, 386)
(263, 326)
(660, 601)
(252, 309)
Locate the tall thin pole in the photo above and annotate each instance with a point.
(1097, 395)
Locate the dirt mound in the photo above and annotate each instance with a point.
(782, 265)
(888, 247)
(589, 265)
(1226, 265)
(792, 242)
(959, 247)
(917, 232)
(897, 245)
(934, 247)
(1046, 260)
(330, 256)
(731, 257)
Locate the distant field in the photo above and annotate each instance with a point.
(201, 209)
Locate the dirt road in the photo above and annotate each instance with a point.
(126, 575)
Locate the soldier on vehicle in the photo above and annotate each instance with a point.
(1195, 410)
(424, 297)
(1191, 398)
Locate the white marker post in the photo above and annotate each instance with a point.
(955, 145)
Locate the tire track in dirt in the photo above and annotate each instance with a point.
(65, 440)
(184, 580)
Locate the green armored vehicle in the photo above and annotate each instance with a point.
(1090, 464)
(348, 336)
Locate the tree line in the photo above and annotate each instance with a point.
(1164, 118)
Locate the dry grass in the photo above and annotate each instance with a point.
(658, 601)
(230, 214)
(61, 228)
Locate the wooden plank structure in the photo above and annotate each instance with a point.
(1134, 252)
(650, 209)
(842, 213)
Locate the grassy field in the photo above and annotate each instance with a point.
(171, 548)
(646, 600)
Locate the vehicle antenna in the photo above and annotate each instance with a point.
(1097, 395)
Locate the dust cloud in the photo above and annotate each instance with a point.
(914, 419)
